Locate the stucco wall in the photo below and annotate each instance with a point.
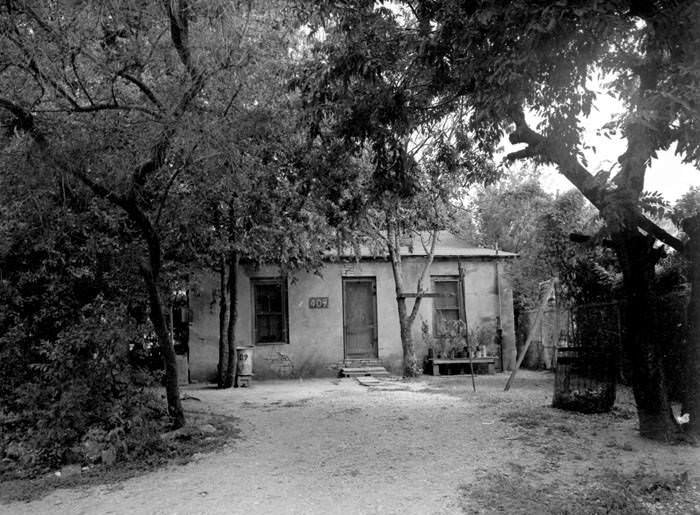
(315, 345)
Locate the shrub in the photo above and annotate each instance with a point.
(79, 395)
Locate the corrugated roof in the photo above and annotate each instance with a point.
(448, 246)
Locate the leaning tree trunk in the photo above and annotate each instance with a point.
(223, 315)
(151, 275)
(232, 319)
(172, 390)
(691, 390)
(641, 344)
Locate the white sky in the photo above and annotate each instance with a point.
(666, 175)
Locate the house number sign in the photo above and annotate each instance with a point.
(318, 302)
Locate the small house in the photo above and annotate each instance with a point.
(313, 324)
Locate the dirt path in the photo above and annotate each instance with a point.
(334, 446)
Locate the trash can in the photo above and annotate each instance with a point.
(245, 365)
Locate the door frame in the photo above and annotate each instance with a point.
(372, 280)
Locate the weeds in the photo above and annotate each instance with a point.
(610, 492)
(174, 451)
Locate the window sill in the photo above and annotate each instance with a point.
(264, 344)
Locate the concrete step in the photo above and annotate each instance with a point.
(363, 371)
(357, 363)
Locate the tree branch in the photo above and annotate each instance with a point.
(74, 66)
(426, 269)
(93, 108)
(555, 153)
(164, 196)
(136, 214)
(144, 89)
(55, 85)
(660, 234)
(525, 153)
(179, 34)
(180, 38)
(100, 190)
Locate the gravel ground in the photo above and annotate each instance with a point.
(326, 446)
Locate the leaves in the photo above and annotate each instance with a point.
(653, 203)
(516, 215)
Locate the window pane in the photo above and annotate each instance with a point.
(448, 314)
(269, 328)
(445, 287)
(445, 309)
(268, 298)
(443, 317)
(270, 312)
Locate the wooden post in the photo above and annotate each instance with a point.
(463, 309)
(499, 318)
(538, 319)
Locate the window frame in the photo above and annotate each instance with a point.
(461, 313)
(267, 281)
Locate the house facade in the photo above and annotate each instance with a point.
(309, 325)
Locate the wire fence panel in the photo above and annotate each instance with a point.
(592, 363)
(586, 367)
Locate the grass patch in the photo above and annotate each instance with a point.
(529, 418)
(610, 492)
(296, 404)
(178, 451)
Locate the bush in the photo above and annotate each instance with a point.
(79, 396)
(69, 300)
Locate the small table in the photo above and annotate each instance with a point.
(436, 362)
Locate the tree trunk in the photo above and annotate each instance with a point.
(691, 390)
(410, 362)
(172, 390)
(232, 319)
(411, 368)
(223, 316)
(637, 259)
(151, 274)
(129, 204)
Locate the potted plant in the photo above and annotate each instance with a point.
(429, 341)
(479, 340)
(453, 333)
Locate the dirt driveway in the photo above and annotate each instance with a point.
(328, 446)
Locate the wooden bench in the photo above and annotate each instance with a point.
(463, 364)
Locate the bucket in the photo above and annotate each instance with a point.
(245, 361)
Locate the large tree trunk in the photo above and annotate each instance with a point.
(634, 251)
(223, 316)
(691, 391)
(232, 319)
(637, 259)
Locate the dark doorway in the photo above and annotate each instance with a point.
(360, 318)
